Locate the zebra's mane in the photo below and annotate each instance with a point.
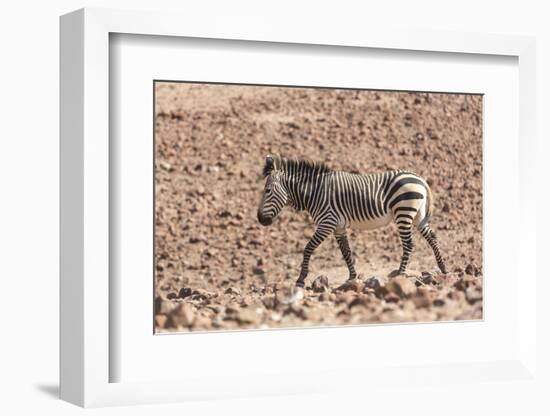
(294, 165)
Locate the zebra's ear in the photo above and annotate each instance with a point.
(268, 167)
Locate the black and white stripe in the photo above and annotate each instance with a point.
(339, 200)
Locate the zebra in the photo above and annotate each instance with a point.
(338, 200)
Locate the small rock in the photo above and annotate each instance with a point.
(320, 284)
(456, 295)
(216, 308)
(258, 271)
(473, 295)
(224, 213)
(344, 297)
(232, 311)
(391, 297)
(297, 295)
(424, 298)
(372, 292)
(185, 292)
(354, 285)
(295, 310)
(163, 306)
(427, 278)
(276, 316)
(283, 290)
(160, 320)
(201, 294)
(171, 295)
(446, 280)
(249, 315)
(470, 269)
(248, 300)
(360, 300)
(183, 315)
(467, 281)
(439, 302)
(313, 314)
(233, 291)
(269, 301)
(401, 286)
(202, 322)
(373, 283)
(326, 297)
(166, 166)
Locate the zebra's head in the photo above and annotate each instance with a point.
(274, 196)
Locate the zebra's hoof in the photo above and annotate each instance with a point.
(358, 276)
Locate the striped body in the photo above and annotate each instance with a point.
(372, 201)
(340, 200)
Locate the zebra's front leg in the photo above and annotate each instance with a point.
(320, 234)
(342, 239)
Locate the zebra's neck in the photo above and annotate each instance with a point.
(302, 188)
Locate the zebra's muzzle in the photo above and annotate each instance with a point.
(264, 220)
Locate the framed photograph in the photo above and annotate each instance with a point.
(241, 212)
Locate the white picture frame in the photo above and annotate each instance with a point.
(85, 165)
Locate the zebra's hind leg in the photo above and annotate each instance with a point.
(405, 233)
(342, 239)
(430, 237)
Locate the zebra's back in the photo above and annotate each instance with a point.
(373, 200)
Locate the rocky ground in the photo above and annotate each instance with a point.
(217, 268)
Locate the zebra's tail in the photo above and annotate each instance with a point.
(429, 209)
